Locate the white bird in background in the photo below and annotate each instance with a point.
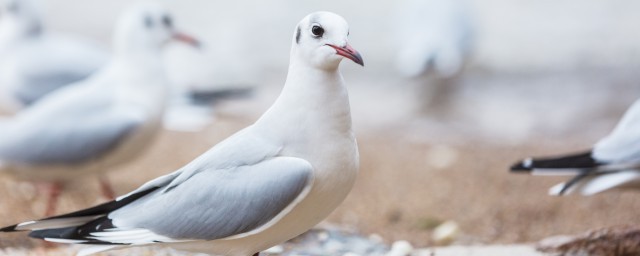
(34, 61)
(435, 39)
(198, 85)
(613, 162)
(260, 187)
(434, 36)
(106, 120)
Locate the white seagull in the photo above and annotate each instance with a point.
(262, 186)
(106, 120)
(434, 36)
(34, 61)
(613, 162)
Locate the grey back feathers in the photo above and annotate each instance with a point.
(246, 197)
(72, 139)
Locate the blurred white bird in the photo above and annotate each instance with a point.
(260, 187)
(106, 120)
(434, 41)
(34, 61)
(613, 162)
(433, 35)
(197, 85)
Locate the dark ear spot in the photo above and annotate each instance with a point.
(148, 21)
(167, 21)
(298, 35)
(13, 8)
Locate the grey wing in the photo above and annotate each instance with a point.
(215, 204)
(36, 86)
(65, 139)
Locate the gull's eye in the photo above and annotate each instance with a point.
(317, 31)
(167, 21)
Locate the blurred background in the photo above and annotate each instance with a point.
(538, 78)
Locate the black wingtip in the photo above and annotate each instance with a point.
(582, 160)
(523, 166)
(211, 97)
(11, 228)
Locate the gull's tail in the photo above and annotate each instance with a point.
(78, 227)
(563, 165)
(593, 183)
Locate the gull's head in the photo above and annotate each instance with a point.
(147, 27)
(20, 17)
(321, 40)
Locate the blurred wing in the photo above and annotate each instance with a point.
(623, 144)
(593, 184)
(609, 181)
(54, 62)
(65, 139)
(38, 84)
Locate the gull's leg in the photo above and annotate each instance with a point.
(53, 190)
(105, 188)
(53, 193)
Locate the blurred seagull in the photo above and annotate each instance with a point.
(108, 119)
(434, 35)
(435, 38)
(613, 162)
(198, 85)
(35, 62)
(262, 186)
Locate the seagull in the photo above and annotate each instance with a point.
(106, 120)
(263, 185)
(613, 162)
(34, 61)
(434, 41)
(435, 36)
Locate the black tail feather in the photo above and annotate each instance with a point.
(98, 210)
(82, 233)
(575, 161)
(11, 228)
(105, 207)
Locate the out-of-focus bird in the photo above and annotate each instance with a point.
(197, 86)
(106, 120)
(433, 36)
(434, 40)
(262, 186)
(35, 61)
(613, 162)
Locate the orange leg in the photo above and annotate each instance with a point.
(53, 193)
(105, 187)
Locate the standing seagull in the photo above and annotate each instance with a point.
(262, 186)
(35, 62)
(89, 127)
(434, 36)
(614, 162)
(435, 39)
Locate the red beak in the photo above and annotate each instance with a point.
(348, 52)
(186, 39)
